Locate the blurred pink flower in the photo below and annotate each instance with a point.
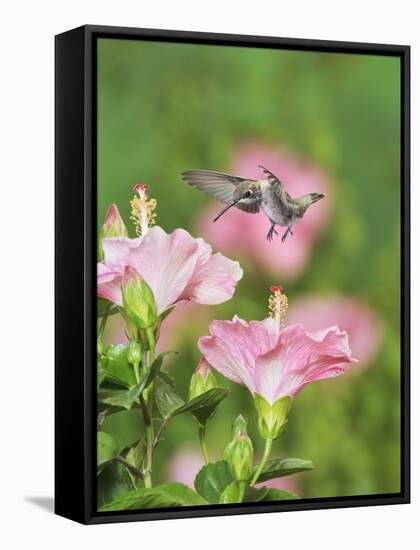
(245, 234)
(356, 318)
(274, 362)
(176, 267)
(184, 466)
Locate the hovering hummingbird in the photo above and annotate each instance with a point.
(250, 195)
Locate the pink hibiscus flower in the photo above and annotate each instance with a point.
(176, 267)
(272, 361)
(243, 233)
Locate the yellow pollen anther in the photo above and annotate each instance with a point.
(277, 305)
(142, 210)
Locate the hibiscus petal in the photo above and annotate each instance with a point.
(214, 281)
(304, 357)
(109, 283)
(166, 262)
(118, 249)
(234, 346)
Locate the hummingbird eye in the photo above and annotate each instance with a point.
(246, 195)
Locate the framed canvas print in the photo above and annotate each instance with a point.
(232, 274)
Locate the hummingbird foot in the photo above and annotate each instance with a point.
(271, 231)
(284, 236)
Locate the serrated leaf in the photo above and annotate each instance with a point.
(280, 467)
(231, 494)
(269, 494)
(167, 400)
(107, 448)
(126, 427)
(212, 480)
(126, 399)
(166, 495)
(113, 482)
(117, 368)
(204, 405)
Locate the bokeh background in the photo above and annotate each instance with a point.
(322, 122)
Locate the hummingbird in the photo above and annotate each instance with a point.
(249, 195)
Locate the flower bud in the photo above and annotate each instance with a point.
(239, 455)
(113, 227)
(139, 306)
(202, 380)
(134, 353)
(240, 425)
(271, 419)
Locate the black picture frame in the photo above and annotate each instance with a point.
(75, 271)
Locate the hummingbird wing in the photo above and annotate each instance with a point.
(217, 184)
(279, 188)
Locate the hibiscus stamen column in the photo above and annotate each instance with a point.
(142, 209)
(272, 417)
(278, 305)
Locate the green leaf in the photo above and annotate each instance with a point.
(126, 427)
(167, 378)
(113, 482)
(265, 494)
(107, 448)
(117, 368)
(280, 467)
(126, 399)
(167, 400)
(104, 307)
(166, 495)
(212, 480)
(101, 375)
(230, 494)
(255, 495)
(135, 457)
(182, 493)
(204, 405)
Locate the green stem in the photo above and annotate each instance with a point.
(267, 451)
(202, 437)
(135, 471)
(150, 437)
(149, 456)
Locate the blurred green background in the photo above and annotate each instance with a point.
(164, 108)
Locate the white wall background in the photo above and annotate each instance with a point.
(26, 268)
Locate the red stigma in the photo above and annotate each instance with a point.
(140, 187)
(276, 288)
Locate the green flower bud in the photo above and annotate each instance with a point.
(271, 419)
(134, 353)
(113, 227)
(240, 425)
(239, 455)
(202, 380)
(139, 306)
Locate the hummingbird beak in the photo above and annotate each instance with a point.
(318, 197)
(225, 210)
